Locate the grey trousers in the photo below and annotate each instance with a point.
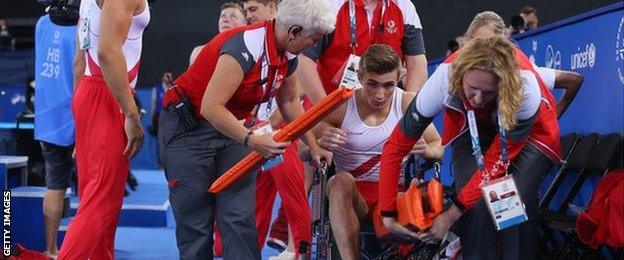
(476, 230)
(192, 160)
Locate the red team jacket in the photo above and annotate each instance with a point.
(537, 125)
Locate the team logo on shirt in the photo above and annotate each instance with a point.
(415, 116)
(57, 37)
(391, 28)
(278, 82)
(246, 56)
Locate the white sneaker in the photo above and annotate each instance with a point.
(286, 255)
(277, 244)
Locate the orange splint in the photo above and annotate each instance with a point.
(416, 208)
(290, 132)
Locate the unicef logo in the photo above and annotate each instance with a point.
(584, 57)
(591, 55)
(553, 58)
(619, 50)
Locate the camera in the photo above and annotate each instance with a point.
(62, 12)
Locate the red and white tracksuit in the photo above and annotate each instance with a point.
(100, 142)
(537, 125)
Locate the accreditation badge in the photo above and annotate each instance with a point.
(263, 128)
(347, 75)
(504, 202)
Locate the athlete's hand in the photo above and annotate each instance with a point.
(394, 227)
(134, 133)
(266, 146)
(320, 155)
(332, 138)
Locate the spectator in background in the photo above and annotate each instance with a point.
(529, 14)
(29, 99)
(158, 92)
(232, 16)
(451, 47)
(461, 40)
(6, 40)
(260, 10)
(517, 25)
(4, 27)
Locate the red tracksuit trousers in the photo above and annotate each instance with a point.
(102, 172)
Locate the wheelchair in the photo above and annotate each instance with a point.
(323, 244)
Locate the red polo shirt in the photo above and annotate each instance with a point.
(398, 27)
(252, 46)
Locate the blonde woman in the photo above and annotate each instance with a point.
(489, 23)
(492, 78)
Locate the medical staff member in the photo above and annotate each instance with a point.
(204, 131)
(489, 85)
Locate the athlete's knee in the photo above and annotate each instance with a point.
(340, 184)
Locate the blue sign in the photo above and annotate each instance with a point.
(591, 44)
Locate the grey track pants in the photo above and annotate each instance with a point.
(477, 232)
(192, 161)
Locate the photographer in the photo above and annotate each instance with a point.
(55, 35)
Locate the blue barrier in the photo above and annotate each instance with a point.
(591, 44)
(12, 103)
(17, 66)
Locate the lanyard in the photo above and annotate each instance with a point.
(476, 146)
(267, 87)
(353, 23)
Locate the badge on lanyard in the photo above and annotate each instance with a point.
(504, 203)
(501, 195)
(350, 77)
(347, 75)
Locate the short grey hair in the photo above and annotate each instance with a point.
(314, 16)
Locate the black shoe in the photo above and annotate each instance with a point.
(132, 181)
